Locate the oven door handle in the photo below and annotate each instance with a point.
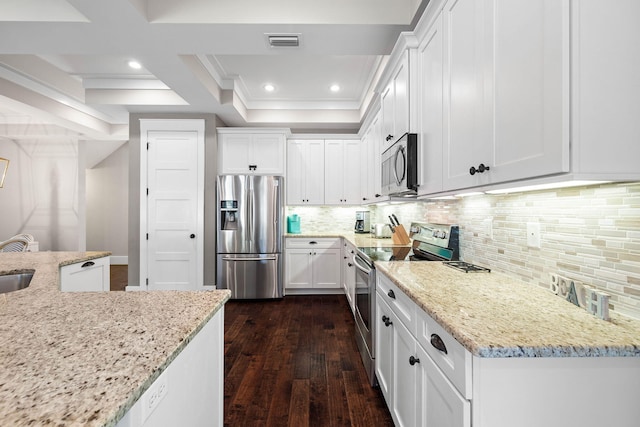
(364, 269)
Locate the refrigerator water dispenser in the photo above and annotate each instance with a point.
(229, 215)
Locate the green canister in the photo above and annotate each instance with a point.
(293, 224)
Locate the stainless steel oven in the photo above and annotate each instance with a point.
(365, 311)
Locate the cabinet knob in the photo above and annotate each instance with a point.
(391, 294)
(193, 236)
(481, 169)
(389, 137)
(349, 264)
(413, 360)
(378, 195)
(387, 321)
(437, 342)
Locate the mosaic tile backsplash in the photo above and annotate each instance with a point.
(590, 234)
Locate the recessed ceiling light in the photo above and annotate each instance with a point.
(334, 88)
(135, 65)
(269, 87)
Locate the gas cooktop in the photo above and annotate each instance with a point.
(466, 267)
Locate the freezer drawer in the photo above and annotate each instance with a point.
(251, 276)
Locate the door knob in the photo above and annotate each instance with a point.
(193, 236)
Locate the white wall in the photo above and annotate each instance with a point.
(41, 192)
(107, 201)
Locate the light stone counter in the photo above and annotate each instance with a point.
(493, 315)
(84, 358)
(358, 239)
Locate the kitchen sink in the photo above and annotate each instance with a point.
(15, 282)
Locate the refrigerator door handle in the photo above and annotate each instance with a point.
(229, 258)
(251, 215)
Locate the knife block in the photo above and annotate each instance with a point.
(400, 236)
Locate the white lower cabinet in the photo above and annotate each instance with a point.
(440, 403)
(416, 390)
(87, 276)
(313, 264)
(429, 379)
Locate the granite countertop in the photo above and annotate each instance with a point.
(494, 315)
(358, 239)
(84, 358)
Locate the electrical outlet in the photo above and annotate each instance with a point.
(533, 234)
(154, 395)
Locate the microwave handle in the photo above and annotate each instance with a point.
(399, 151)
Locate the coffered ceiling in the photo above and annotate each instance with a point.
(64, 63)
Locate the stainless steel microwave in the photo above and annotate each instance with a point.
(400, 167)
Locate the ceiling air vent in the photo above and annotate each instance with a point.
(290, 40)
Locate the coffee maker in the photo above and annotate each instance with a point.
(363, 224)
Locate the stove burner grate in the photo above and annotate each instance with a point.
(467, 267)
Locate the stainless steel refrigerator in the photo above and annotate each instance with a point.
(249, 236)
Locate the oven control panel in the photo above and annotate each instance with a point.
(443, 235)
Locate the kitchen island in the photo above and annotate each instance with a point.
(86, 358)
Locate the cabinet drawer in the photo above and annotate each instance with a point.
(86, 276)
(454, 360)
(398, 301)
(320, 243)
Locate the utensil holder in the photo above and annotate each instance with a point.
(400, 236)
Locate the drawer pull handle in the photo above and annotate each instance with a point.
(387, 321)
(413, 360)
(313, 242)
(88, 264)
(437, 342)
(391, 294)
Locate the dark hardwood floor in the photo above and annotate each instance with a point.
(294, 362)
(119, 279)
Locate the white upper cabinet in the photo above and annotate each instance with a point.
(251, 151)
(605, 90)
(305, 172)
(342, 172)
(429, 105)
(395, 103)
(505, 90)
(371, 182)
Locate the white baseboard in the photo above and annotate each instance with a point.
(119, 260)
(313, 291)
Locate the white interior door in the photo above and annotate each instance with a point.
(172, 202)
